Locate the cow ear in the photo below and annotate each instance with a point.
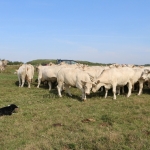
(93, 84)
(83, 82)
(98, 81)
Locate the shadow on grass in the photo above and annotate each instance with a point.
(44, 85)
(146, 91)
(110, 93)
(25, 84)
(100, 94)
(54, 93)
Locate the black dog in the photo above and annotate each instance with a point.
(8, 110)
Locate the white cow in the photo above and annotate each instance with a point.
(138, 71)
(2, 68)
(74, 77)
(3, 64)
(25, 73)
(113, 77)
(48, 73)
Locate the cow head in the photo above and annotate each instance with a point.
(97, 85)
(87, 87)
(145, 75)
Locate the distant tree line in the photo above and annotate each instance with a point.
(46, 61)
(14, 63)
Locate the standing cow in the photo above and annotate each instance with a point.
(74, 77)
(114, 77)
(3, 64)
(25, 73)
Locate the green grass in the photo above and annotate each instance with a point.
(46, 122)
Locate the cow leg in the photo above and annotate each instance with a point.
(29, 83)
(106, 92)
(50, 85)
(79, 86)
(118, 90)
(83, 95)
(122, 89)
(101, 89)
(129, 88)
(19, 81)
(59, 88)
(23, 80)
(133, 88)
(148, 84)
(114, 91)
(140, 87)
(39, 82)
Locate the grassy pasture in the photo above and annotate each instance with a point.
(46, 122)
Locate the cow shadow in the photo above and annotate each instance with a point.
(44, 85)
(101, 94)
(146, 91)
(65, 95)
(17, 84)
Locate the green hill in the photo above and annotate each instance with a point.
(46, 61)
(41, 61)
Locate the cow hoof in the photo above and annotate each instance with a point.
(84, 100)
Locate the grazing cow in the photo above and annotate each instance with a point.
(113, 77)
(25, 73)
(74, 77)
(95, 71)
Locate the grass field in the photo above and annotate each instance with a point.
(46, 122)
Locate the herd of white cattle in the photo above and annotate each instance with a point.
(86, 78)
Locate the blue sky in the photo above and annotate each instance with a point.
(103, 31)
